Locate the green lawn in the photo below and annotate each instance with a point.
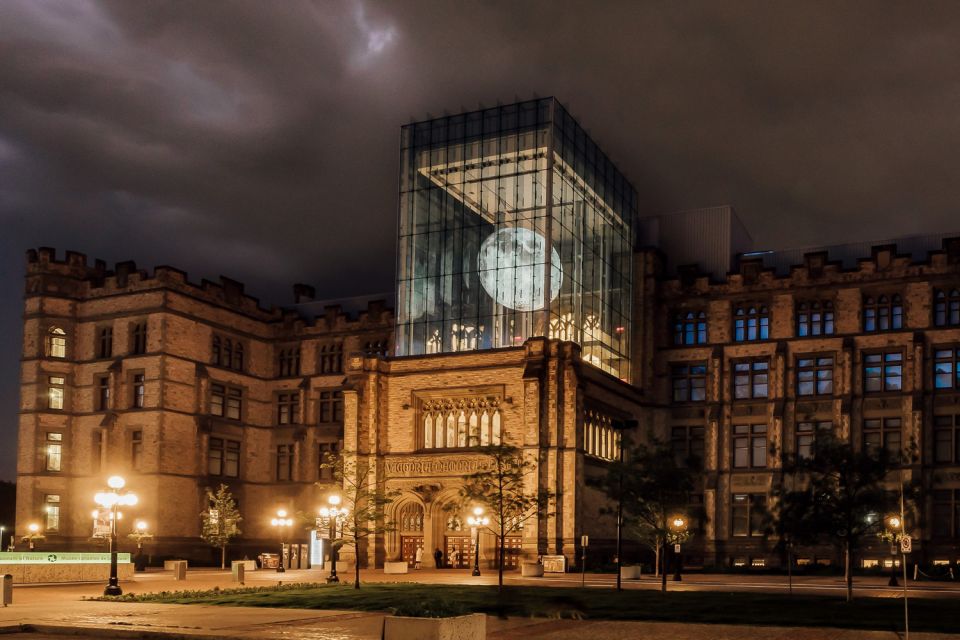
(926, 614)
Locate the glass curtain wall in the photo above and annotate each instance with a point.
(513, 224)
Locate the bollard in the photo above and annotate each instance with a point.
(239, 569)
(7, 595)
(180, 570)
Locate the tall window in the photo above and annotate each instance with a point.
(751, 322)
(749, 446)
(883, 433)
(815, 319)
(225, 401)
(329, 453)
(102, 391)
(227, 353)
(331, 358)
(138, 338)
(55, 392)
(331, 407)
(449, 424)
(749, 511)
(946, 439)
(289, 361)
(946, 308)
(689, 327)
(288, 408)
(223, 458)
(815, 376)
(51, 509)
(600, 438)
(284, 462)
(882, 313)
(105, 342)
(57, 343)
(54, 451)
(946, 368)
(806, 437)
(139, 389)
(882, 371)
(751, 379)
(136, 450)
(946, 513)
(689, 382)
(687, 445)
(96, 460)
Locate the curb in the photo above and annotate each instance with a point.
(113, 632)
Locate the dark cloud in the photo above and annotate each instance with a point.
(259, 140)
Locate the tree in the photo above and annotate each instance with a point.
(221, 521)
(501, 489)
(365, 505)
(652, 488)
(840, 498)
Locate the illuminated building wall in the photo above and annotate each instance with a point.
(513, 224)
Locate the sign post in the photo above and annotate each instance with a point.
(584, 543)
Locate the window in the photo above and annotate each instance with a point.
(55, 392)
(96, 461)
(748, 514)
(288, 408)
(815, 376)
(460, 423)
(138, 390)
(882, 371)
(689, 327)
(751, 379)
(136, 449)
(57, 343)
(331, 358)
(284, 462)
(102, 391)
(883, 433)
(105, 342)
(751, 323)
(946, 368)
(375, 348)
(223, 458)
(806, 436)
(814, 319)
(51, 509)
(600, 438)
(329, 453)
(226, 353)
(138, 337)
(946, 439)
(882, 313)
(946, 513)
(54, 451)
(689, 382)
(289, 361)
(749, 446)
(225, 401)
(687, 445)
(331, 407)
(946, 308)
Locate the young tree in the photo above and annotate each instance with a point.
(221, 520)
(365, 505)
(652, 487)
(837, 496)
(507, 490)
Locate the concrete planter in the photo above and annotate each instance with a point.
(248, 565)
(531, 570)
(399, 566)
(470, 627)
(170, 565)
(630, 573)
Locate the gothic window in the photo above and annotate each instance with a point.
(289, 361)
(882, 313)
(815, 319)
(105, 342)
(460, 423)
(237, 357)
(331, 358)
(946, 308)
(411, 518)
(138, 338)
(217, 350)
(751, 322)
(227, 353)
(57, 343)
(600, 438)
(689, 327)
(375, 348)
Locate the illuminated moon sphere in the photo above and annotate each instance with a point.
(511, 264)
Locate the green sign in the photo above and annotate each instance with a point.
(57, 557)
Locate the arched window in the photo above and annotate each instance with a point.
(410, 518)
(689, 327)
(238, 357)
(815, 319)
(600, 438)
(946, 308)
(57, 343)
(216, 350)
(461, 424)
(227, 353)
(751, 322)
(882, 313)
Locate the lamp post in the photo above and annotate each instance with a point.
(33, 528)
(476, 521)
(678, 524)
(329, 515)
(281, 522)
(112, 500)
(894, 528)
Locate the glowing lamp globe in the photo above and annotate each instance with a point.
(512, 268)
(116, 482)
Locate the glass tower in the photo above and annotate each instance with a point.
(513, 224)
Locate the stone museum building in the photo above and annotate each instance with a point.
(535, 306)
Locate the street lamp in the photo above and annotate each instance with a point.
(476, 521)
(33, 528)
(894, 529)
(330, 515)
(112, 500)
(281, 522)
(678, 524)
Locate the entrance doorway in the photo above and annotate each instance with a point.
(408, 549)
(459, 551)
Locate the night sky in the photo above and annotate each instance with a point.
(259, 139)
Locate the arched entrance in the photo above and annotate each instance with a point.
(410, 526)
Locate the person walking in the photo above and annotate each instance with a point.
(417, 558)
(438, 558)
(455, 561)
